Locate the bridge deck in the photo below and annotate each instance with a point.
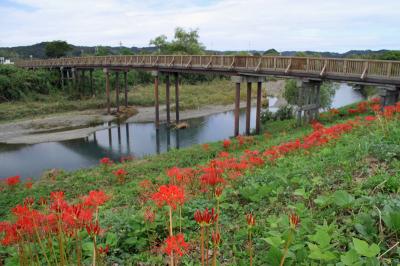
(355, 70)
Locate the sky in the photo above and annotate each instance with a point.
(318, 25)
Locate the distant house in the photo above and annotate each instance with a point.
(4, 61)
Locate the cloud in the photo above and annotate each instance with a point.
(335, 25)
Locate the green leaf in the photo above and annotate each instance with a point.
(274, 256)
(392, 220)
(322, 238)
(274, 241)
(342, 199)
(351, 258)
(111, 239)
(322, 200)
(88, 246)
(317, 254)
(363, 249)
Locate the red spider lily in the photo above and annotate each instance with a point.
(223, 154)
(121, 175)
(370, 118)
(398, 107)
(104, 250)
(170, 195)
(294, 220)
(352, 111)
(388, 111)
(42, 201)
(218, 192)
(126, 159)
(28, 185)
(240, 140)
(376, 100)
(317, 126)
(216, 238)
(226, 144)
(57, 201)
(205, 218)
(13, 180)
(176, 245)
(212, 175)
(149, 215)
(95, 198)
(376, 108)
(93, 229)
(29, 201)
(251, 220)
(106, 161)
(362, 107)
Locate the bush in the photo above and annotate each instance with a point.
(283, 113)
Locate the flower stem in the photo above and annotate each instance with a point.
(202, 244)
(288, 242)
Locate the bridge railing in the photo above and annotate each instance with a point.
(280, 64)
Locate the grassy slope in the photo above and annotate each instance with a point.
(191, 97)
(359, 165)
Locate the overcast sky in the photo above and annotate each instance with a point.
(321, 25)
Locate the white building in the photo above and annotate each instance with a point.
(4, 61)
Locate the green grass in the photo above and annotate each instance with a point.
(342, 191)
(220, 92)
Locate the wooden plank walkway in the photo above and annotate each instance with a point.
(351, 70)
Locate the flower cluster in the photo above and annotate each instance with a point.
(170, 195)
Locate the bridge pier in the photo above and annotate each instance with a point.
(62, 77)
(107, 73)
(248, 80)
(82, 83)
(91, 82)
(126, 87)
(117, 89)
(167, 99)
(389, 95)
(308, 102)
(156, 99)
(176, 98)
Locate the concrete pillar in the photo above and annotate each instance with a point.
(237, 80)
(156, 100)
(117, 90)
(308, 102)
(389, 95)
(176, 98)
(73, 77)
(258, 110)
(167, 99)
(107, 72)
(126, 87)
(62, 77)
(248, 107)
(91, 81)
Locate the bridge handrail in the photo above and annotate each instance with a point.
(361, 68)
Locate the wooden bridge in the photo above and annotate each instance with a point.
(310, 70)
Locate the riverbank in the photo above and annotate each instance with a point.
(337, 179)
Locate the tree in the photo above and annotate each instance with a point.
(57, 49)
(327, 91)
(184, 42)
(271, 52)
(102, 51)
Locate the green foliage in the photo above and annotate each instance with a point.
(283, 113)
(271, 52)
(57, 49)
(17, 83)
(327, 91)
(102, 51)
(184, 42)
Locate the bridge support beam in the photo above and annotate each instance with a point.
(82, 83)
(107, 73)
(176, 98)
(389, 95)
(126, 87)
(156, 99)
(62, 77)
(248, 80)
(308, 103)
(91, 82)
(167, 99)
(117, 89)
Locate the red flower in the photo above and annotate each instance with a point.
(13, 180)
(376, 100)
(93, 229)
(376, 108)
(95, 198)
(206, 147)
(388, 111)
(106, 161)
(334, 111)
(294, 220)
(251, 220)
(120, 174)
(216, 238)
(29, 201)
(370, 118)
(218, 192)
(170, 195)
(58, 203)
(28, 185)
(226, 144)
(104, 250)
(176, 244)
(205, 218)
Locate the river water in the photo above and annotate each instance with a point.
(130, 139)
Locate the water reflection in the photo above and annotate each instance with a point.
(138, 140)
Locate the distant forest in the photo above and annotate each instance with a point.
(39, 51)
